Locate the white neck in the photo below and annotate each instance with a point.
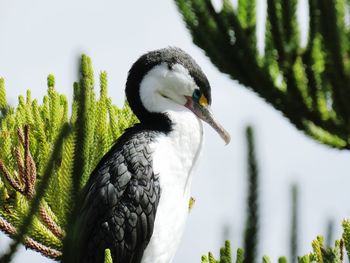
(174, 156)
(163, 91)
(187, 136)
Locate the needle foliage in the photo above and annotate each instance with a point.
(309, 84)
(47, 155)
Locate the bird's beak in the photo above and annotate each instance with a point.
(204, 113)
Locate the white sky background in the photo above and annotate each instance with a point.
(39, 37)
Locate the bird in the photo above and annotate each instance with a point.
(136, 201)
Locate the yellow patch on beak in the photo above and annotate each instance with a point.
(203, 101)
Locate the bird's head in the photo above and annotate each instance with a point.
(166, 79)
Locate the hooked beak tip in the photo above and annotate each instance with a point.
(221, 131)
(226, 138)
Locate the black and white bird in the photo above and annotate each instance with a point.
(136, 201)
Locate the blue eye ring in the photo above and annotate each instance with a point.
(196, 94)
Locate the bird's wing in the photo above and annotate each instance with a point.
(120, 203)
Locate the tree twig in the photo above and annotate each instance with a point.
(14, 183)
(30, 243)
(51, 224)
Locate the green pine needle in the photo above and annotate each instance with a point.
(240, 255)
(51, 80)
(108, 256)
(346, 235)
(3, 101)
(282, 260)
(266, 259)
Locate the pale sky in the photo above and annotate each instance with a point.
(39, 37)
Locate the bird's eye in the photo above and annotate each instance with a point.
(196, 95)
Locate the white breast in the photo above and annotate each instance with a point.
(174, 157)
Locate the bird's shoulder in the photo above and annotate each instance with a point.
(129, 153)
(121, 197)
(128, 160)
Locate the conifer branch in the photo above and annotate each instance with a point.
(282, 260)
(309, 85)
(82, 93)
(11, 179)
(266, 259)
(108, 256)
(25, 154)
(276, 29)
(4, 107)
(26, 223)
(346, 235)
(317, 246)
(252, 216)
(29, 175)
(20, 165)
(240, 256)
(211, 258)
(20, 136)
(10, 230)
(294, 225)
(51, 224)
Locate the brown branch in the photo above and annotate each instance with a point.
(10, 179)
(30, 179)
(341, 247)
(20, 136)
(10, 230)
(27, 174)
(7, 227)
(27, 171)
(51, 224)
(20, 165)
(32, 175)
(42, 249)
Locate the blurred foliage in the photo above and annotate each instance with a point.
(320, 253)
(294, 224)
(252, 215)
(309, 84)
(47, 150)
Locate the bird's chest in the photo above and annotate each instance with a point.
(174, 158)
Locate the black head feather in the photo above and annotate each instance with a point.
(143, 65)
